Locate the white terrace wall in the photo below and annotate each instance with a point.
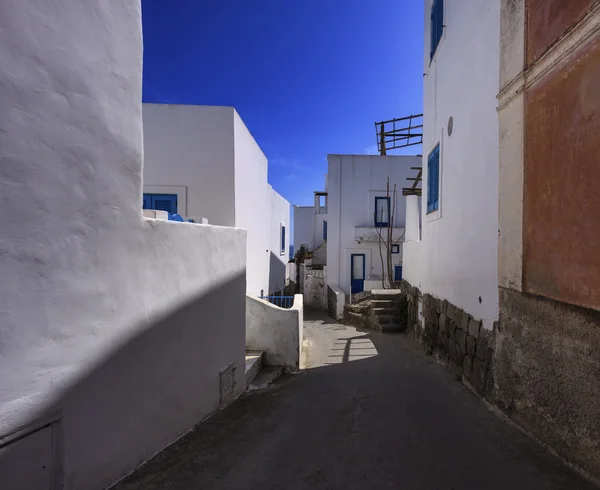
(253, 206)
(114, 328)
(304, 226)
(189, 151)
(280, 214)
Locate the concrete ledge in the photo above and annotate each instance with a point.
(336, 299)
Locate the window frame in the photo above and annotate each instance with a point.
(324, 230)
(282, 238)
(395, 248)
(381, 224)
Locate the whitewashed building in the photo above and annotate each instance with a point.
(202, 162)
(456, 256)
(310, 227)
(358, 205)
(118, 333)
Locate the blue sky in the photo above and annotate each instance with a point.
(308, 77)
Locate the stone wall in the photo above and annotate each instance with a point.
(315, 289)
(547, 373)
(454, 337)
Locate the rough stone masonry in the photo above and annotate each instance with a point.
(453, 337)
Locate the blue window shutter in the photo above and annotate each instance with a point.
(436, 25)
(325, 230)
(283, 238)
(165, 202)
(433, 180)
(432, 27)
(146, 201)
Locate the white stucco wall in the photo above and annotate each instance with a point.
(188, 151)
(276, 331)
(280, 216)
(303, 226)
(114, 325)
(253, 206)
(353, 183)
(457, 258)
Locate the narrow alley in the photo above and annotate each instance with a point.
(369, 411)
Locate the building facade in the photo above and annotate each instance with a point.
(204, 159)
(310, 227)
(358, 205)
(503, 277)
(459, 205)
(547, 362)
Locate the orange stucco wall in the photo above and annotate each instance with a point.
(561, 220)
(548, 20)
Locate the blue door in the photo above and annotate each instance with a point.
(397, 273)
(357, 271)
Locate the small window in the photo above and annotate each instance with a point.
(382, 211)
(325, 230)
(433, 180)
(160, 202)
(395, 248)
(437, 25)
(282, 239)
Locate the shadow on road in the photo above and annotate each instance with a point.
(384, 417)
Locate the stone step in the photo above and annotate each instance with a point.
(266, 378)
(387, 319)
(386, 294)
(384, 311)
(383, 303)
(254, 364)
(392, 328)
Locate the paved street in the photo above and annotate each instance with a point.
(370, 411)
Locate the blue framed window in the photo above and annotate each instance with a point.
(395, 248)
(433, 180)
(437, 25)
(282, 239)
(325, 230)
(382, 211)
(160, 202)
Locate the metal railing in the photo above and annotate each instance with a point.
(281, 301)
(399, 133)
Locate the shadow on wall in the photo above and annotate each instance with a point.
(276, 273)
(143, 396)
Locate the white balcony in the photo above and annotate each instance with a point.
(370, 233)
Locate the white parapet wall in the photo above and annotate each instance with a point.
(118, 333)
(336, 299)
(276, 331)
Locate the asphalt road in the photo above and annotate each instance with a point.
(371, 411)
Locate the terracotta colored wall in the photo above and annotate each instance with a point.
(547, 20)
(561, 221)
